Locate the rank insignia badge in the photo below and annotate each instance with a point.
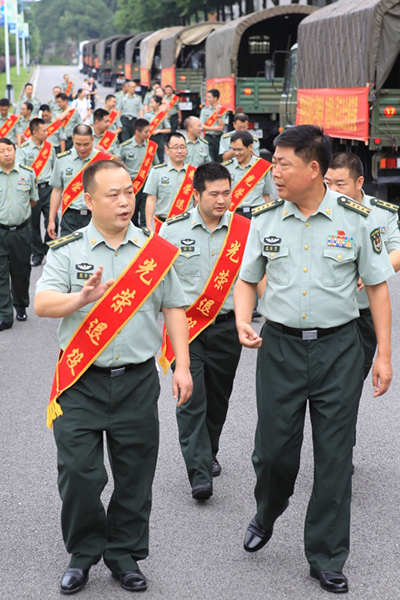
(84, 267)
(272, 239)
(376, 240)
(341, 240)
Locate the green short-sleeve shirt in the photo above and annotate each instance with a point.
(113, 149)
(65, 268)
(35, 103)
(312, 265)
(264, 186)
(68, 164)
(165, 124)
(225, 143)
(132, 155)
(57, 136)
(27, 154)
(12, 135)
(130, 105)
(198, 152)
(206, 113)
(164, 182)
(174, 110)
(22, 125)
(17, 190)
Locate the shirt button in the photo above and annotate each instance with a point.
(307, 224)
(117, 356)
(272, 255)
(304, 316)
(212, 253)
(305, 269)
(212, 235)
(304, 293)
(339, 256)
(116, 254)
(306, 247)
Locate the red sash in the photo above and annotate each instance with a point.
(68, 117)
(75, 187)
(206, 307)
(53, 127)
(27, 133)
(173, 100)
(8, 125)
(156, 121)
(182, 198)
(107, 139)
(145, 167)
(42, 158)
(215, 116)
(69, 88)
(248, 182)
(110, 314)
(113, 116)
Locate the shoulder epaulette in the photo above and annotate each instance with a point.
(383, 204)
(24, 144)
(158, 166)
(126, 142)
(255, 138)
(268, 206)
(204, 140)
(27, 168)
(228, 162)
(63, 153)
(67, 239)
(146, 231)
(180, 217)
(353, 205)
(226, 135)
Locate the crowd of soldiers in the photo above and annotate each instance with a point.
(316, 259)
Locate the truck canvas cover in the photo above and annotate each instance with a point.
(349, 44)
(189, 36)
(148, 45)
(222, 46)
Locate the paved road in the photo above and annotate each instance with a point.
(195, 549)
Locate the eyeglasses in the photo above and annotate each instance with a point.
(175, 148)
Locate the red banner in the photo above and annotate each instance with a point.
(343, 113)
(128, 71)
(144, 77)
(168, 77)
(226, 87)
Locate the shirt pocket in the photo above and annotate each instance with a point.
(339, 266)
(277, 268)
(188, 265)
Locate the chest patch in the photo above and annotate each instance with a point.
(164, 180)
(270, 248)
(84, 267)
(81, 275)
(188, 242)
(272, 239)
(341, 240)
(376, 240)
(69, 171)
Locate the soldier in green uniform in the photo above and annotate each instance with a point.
(214, 354)
(4, 115)
(28, 97)
(174, 113)
(117, 395)
(68, 165)
(53, 102)
(123, 91)
(23, 123)
(132, 154)
(346, 176)
(18, 193)
(64, 108)
(148, 95)
(130, 107)
(242, 146)
(213, 132)
(26, 155)
(110, 105)
(240, 123)
(164, 180)
(101, 123)
(58, 138)
(163, 128)
(198, 150)
(64, 86)
(310, 348)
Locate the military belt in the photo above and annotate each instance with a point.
(305, 334)
(225, 317)
(43, 185)
(14, 227)
(113, 371)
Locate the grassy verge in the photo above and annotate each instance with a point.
(17, 81)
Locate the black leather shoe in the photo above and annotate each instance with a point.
(216, 467)
(202, 491)
(21, 315)
(73, 580)
(331, 581)
(36, 262)
(133, 581)
(256, 537)
(4, 326)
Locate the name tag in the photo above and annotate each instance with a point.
(187, 248)
(272, 248)
(81, 275)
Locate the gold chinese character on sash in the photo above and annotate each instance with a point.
(249, 179)
(142, 173)
(45, 153)
(106, 143)
(147, 267)
(179, 204)
(66, 197)
(187, 189)
(151, 151)
(205, 306)
(239, 193)
(191, 175)
(147, 162)
(221, 279)
(123, 299)
(136, 186)
(95, 330)
(39, 164)
(74, 359)
(77, 186)
(234, 249)
(191, 323)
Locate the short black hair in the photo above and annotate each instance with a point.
(350, 161)
(28, 83)
(109, 96)
(28, 105)
(309, 142)
(5, 102)
(171, 135)
(211, 171)
(34, 124)
(7, 142)
(241, 117)
(245, 136)
(157, 99)
(62, 96)
(99, 114)
(140, 124)
(56, 87)
(45, 107)
(89, 173)
(82, 129)
(214, 92)
(170, 86)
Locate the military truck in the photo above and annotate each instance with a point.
(118, 61)
(235, 63)
(88, 55)
(357, 45)
(103, 60)
(183, 61)
(150, 56)
(132, 56)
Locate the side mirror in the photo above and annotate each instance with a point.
(269, 69)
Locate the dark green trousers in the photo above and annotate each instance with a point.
(42, 207)
(214, 356)
(139, 216)
(327, 372)
(366, 328)
(159, 139)
(15, 271)
(128, 128)
(125, 408)
(213, 141)
(174, 122)
(73, 220)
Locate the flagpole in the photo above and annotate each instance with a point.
(17, 37)
(9, 87)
